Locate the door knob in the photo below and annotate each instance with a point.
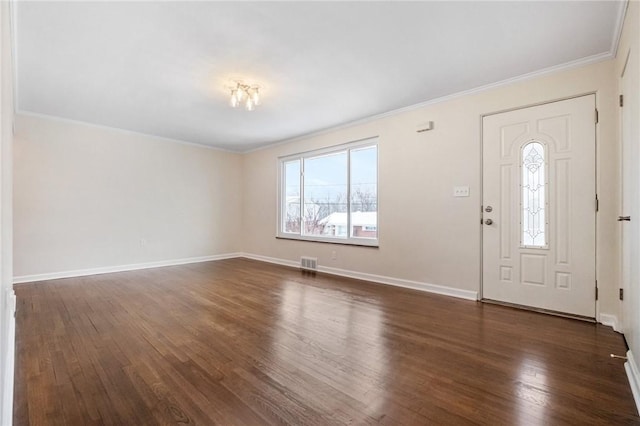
(624, 218)
(488, 222)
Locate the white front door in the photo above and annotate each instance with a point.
(539, 206)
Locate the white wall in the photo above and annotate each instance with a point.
(7, 298)
(89, 197)
(426, 235)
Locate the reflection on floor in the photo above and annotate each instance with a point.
(244, 342)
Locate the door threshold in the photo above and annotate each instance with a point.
(540, 310)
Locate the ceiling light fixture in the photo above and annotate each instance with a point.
(245, 94)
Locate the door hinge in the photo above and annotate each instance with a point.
(621, 294)
(597, 116)
(596, 289)
(621, 100)
(597, 203)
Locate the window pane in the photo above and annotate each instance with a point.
(291, 207)
(325, 195)
(364, 192)
(331, 195)
(533, 195)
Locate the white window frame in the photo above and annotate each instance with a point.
(348, 147)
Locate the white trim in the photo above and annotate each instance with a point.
(617, 29)
(617, 33)
(121, 268)
(365, 143)
(610, 320)
(398, 282)
(333, 149)
(347, 241)
(631, 367)
(120, 130)
(600, 57)
(283, 262)
(7, 392)
(13, 23)
(380, 279)
(524, 77)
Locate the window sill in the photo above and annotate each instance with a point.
(352, 242)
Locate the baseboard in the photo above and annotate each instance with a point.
(398, 282)
(267, 259)
(610, 321)
(7, 392)
(634, 378)
(381, 279)
(120, 268)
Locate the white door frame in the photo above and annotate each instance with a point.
(624, 283)
(480, 219)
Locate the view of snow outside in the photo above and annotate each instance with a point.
(325, 205)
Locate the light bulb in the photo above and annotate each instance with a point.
(255, 96)
(234, 98)
(240, 93)
(249, 105)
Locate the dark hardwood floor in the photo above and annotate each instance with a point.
(243, 342)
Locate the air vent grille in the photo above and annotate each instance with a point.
(309, 263)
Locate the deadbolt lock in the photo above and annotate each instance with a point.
(488, 209)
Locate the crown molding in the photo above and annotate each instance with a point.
(119, 130)
(600, 57)
(613, 49)
(617, 30)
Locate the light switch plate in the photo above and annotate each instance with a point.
(460, 191)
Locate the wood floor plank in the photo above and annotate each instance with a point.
(240, 342)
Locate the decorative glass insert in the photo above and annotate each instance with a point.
(533, 195)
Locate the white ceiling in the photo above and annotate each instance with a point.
(161, 68)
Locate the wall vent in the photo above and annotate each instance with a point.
(309, 263)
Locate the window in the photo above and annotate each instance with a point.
(331, 195)
(533, 195)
